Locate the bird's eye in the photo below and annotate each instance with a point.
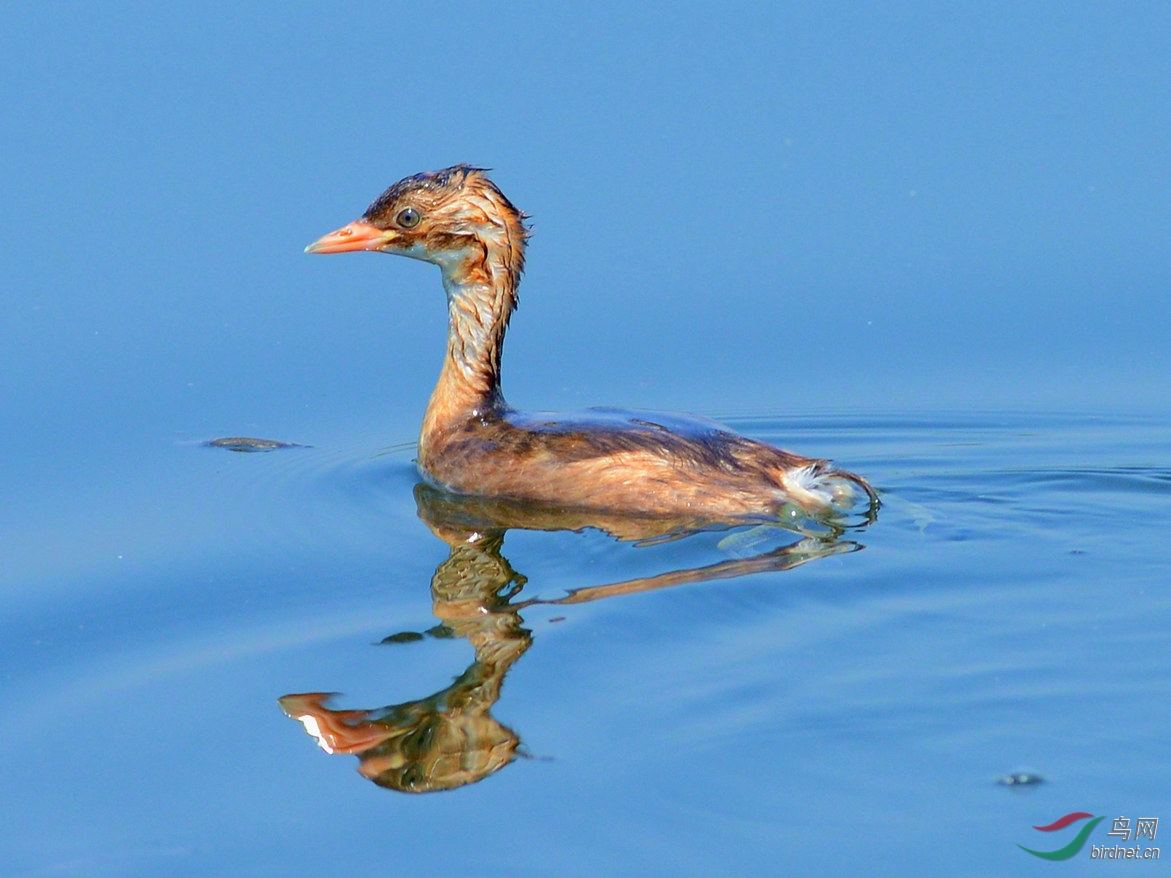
(408, 218)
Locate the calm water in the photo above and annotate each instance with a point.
(798, 706)
(829, 211)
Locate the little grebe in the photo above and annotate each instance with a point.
(473, 442)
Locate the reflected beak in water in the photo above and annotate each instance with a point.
(356, 236)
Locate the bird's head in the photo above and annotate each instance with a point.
(449, 217)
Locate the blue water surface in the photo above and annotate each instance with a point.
(1008, 612)
(927, 242)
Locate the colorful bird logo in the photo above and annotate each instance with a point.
(1075, 845)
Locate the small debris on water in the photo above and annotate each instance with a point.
(246, 444)
(440, 632)
(1021, 779)
(403, 637)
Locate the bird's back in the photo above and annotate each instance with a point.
(641, 462)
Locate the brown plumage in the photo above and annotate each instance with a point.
(473, 442)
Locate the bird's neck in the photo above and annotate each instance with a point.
(481, 294)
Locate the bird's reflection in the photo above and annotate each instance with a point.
(450, 738)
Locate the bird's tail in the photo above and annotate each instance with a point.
(820, 487)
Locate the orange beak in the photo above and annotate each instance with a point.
(348, 239)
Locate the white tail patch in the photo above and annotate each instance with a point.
(817, 488)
